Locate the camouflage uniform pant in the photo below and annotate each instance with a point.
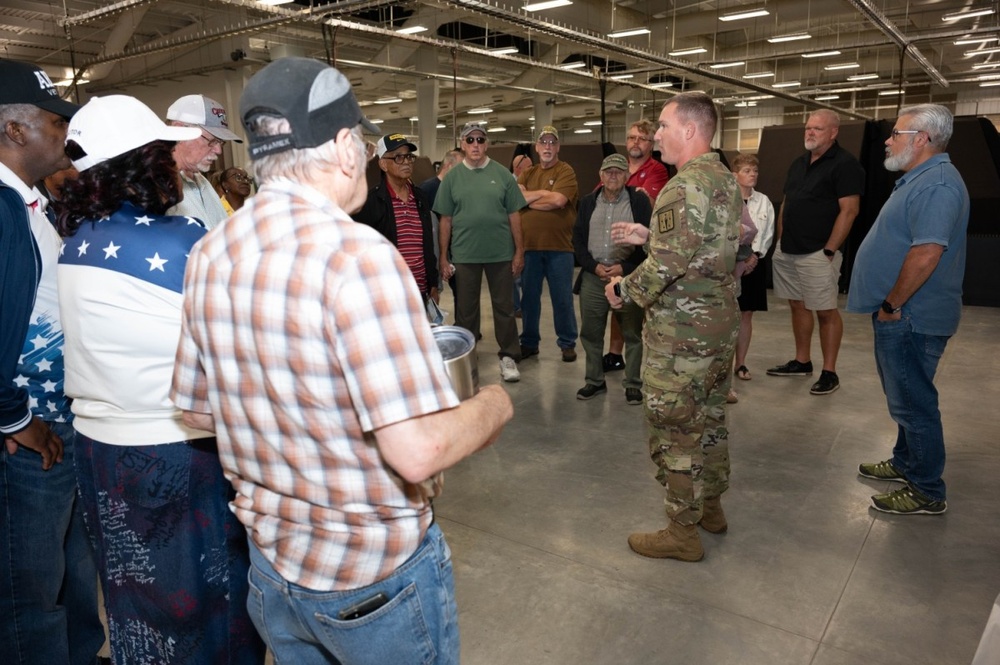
(685, 405)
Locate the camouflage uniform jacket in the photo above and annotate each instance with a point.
(686, 283)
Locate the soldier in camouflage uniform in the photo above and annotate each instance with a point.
(687, 288)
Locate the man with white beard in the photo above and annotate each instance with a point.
(908, 278)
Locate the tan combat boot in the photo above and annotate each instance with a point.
(677, 541)
(713, 519)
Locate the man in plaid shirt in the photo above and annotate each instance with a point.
(305, 347)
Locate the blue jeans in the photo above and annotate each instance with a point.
(557, 268)
(172, 556)
(48, 579)
(906, 362)
(418, 624)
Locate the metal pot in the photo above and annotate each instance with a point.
(458, 348)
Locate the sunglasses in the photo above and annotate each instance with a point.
(475, 139)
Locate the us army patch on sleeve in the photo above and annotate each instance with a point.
(665, 220)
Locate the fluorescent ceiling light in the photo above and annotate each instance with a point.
(271, 3)
(843, 65)
(724, 65)
(978, 40)
(389, 100)
(497, 129)
(65, 84)
(439, 126)
(886, 93)
(982, 65)
(737, 16)
(957, 16)
(745, 104)
(982, 51)
(821, 54)
(412, 30)
(548, 4)
(826, 98)
(987, 77)
(989, 84)
(479, 111)
(593, 123)
(621, 77)
(862, 77)
(506, 50)
(786, 84)
(414, 119)
(583, 131)
(758, 75)
(375, 121)
(577, 64)
(628, 33)
(662, 84)
(689, 51)
(789, 38)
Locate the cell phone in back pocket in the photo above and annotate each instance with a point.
(363, 608)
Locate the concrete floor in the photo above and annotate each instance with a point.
(807, 573)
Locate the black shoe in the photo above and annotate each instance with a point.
(590, 391)
(633, 396)
(527, 352)
(792, 368)
(828, 382)
(613, 362)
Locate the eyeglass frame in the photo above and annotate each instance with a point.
(547, 141)
(894, 134)
(476, 139)
(213, 141)
(239, 177)
(401, 158)
(638, 138)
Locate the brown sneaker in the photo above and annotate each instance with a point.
(713, 519)
(677, 541)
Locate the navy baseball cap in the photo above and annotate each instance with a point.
(21, 83)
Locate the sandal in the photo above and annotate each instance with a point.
(743, 373)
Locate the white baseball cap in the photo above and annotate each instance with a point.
(207, 113)
(106, 127)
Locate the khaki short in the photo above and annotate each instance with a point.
(812, 278)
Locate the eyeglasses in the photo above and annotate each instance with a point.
(212, 141)
(403, 157)
(475, 139)
(897, 132)
(242, 177)
(547, 141)
(636, 139)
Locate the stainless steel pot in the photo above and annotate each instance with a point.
(458, 348)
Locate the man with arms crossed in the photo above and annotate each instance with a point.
(822, 198)
(908, 278)
(306, 348)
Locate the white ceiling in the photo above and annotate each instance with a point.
(119, 45)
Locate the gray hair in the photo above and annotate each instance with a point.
(832, 117)
(305, 164)
(933, 119)
(23, 114)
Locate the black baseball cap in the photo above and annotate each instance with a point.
(21, 83)
(315, 99)
(390, 142)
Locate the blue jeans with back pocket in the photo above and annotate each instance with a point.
(418, 623)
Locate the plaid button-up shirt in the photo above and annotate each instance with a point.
(302, 333)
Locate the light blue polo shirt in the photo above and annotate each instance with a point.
(929, 204)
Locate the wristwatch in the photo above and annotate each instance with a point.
(828, 252)
(888, 308)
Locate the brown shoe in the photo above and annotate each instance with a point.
(677, 541)
(713, 519)
(569, 355)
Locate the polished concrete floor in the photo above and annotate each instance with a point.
(807, 573)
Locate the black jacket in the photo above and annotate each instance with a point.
(642, 210)
(378, 214)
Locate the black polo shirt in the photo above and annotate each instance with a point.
(812, 194)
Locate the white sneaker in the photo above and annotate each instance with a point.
(508, 370)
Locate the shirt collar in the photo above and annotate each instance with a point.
(939, 158)
(29, 194)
